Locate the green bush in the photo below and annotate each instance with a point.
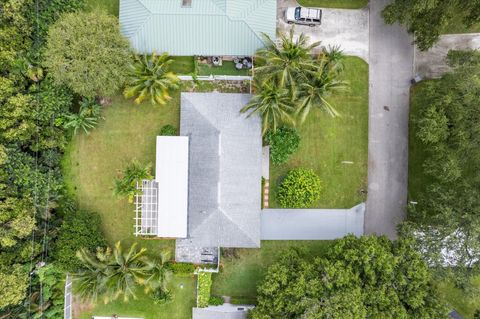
(168, 130)
(203, 289)
(161, 297)
(182, 268)
(79, 230)
(215, 301)
(300, 189)
(283, 143)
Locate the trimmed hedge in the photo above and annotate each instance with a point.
(204, 283)
(215, 301)
(168, 130)
(283, 143)
(300, 189)
(180, 269)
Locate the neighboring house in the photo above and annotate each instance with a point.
(225, 311)
(207, 187)
(198, 27)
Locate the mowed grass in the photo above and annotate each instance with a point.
(456, 298)
(326, 142)
(109, 6)
(179, 308)
(92, 162)
(342, 4)
(239, 277)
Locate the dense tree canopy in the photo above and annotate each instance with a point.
(86, 52)
(427, 19)
(370, 277)
(447, 128)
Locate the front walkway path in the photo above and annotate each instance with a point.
(391, 69)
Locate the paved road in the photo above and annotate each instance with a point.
(346, 28)
(391, 65)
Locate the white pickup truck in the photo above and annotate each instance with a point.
(302, 15)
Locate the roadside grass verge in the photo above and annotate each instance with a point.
(341, 4)
(335, 148)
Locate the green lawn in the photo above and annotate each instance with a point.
(93, 161)
(182, 65)
(240, 276)
(327, 142)
(179, 308)
(456, 299)
(109, 6)
(343, 4)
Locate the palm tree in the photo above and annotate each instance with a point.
(159, 274)
(86, 118)
(274, 105)
(316, 87)
(149, 77)
(111, 273)
(127, 184)
(319, 83)
(287, 61)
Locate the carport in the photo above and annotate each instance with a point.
(311, 224)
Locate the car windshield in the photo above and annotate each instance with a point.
(297, 13)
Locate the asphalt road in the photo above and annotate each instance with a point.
(391, 69)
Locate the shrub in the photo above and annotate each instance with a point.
(182, 268)
(283, 143)
(168, 130)
(203, 288)
(300, 189)
(79, 230)
(215, 301)
(161, 297)
(127, 184)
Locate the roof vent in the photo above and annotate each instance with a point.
(186, 3)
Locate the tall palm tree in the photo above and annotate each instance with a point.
(274, 105)
(316, 87)
(159, 274)
(286, 61)
(112, 273)
(149, 76)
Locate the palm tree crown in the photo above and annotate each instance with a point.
(149, 76)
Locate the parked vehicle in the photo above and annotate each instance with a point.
(302, 15)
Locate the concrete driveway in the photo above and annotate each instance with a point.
(433, 64)
(347, 28)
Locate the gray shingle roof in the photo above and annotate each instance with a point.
(224, 170)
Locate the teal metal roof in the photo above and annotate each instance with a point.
(207, 27)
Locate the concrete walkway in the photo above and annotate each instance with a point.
(343, 27)
(311, 224)
(391, 69)
(432, 63)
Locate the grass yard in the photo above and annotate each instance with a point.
(240, 276)
(342, 4)
(327, 142)
(456, 299)
(109, 6)
(93, 161)
(182, 65)
(179, 308)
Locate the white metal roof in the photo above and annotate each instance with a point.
(171, 173)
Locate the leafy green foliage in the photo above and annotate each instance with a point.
(127, 185)
(51, 302)
(149, 76)
(300, 189)
(80, 229)
(114, 273)
(204, 285)
(283, 143)
(168, 130)
(290, 82)
(446, 128)
(13, 285)
(182, 269)
(427, 19)
(215, 301)
(354, 280)
(86, 118)
(86, 52)
(16, 221)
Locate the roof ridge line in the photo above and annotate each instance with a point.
(237, 226)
